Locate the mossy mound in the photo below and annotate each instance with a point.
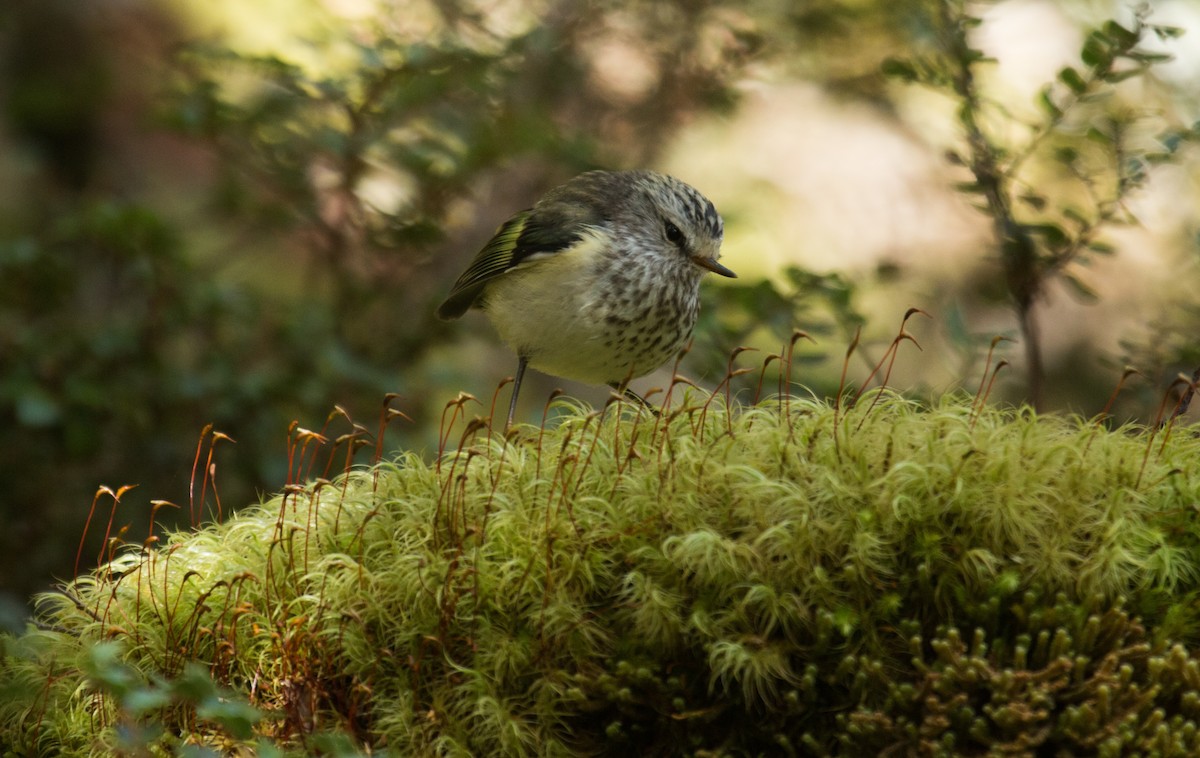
(788, 578)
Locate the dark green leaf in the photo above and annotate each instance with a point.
(899, 69)
(1115, 77)
(1081, 290)
(1122, 37)
(1150, 59)
(105, 667)
(265, 748)
(1135, 170)
(1096, 51)
(1051, 234)
(146, 699)
(236, 716)
(1047, 103)
(1033, 200)
(1165, 32)
(1173, 139)
(1070, 77)
(1066, 154)
(1077, 217)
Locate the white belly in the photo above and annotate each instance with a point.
(557, 314)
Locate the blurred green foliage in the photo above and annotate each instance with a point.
(194, 234)
(1092, 140)
(140, 699)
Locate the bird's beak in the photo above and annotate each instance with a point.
(712, 265)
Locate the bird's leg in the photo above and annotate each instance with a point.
(522, 362)
(623, 388)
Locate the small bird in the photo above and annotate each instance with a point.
(599, 281)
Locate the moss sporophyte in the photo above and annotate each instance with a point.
(786, 578)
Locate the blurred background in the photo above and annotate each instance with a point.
(244, 214)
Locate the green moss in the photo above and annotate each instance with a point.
(888, 577)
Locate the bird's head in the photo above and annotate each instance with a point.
(680, 222)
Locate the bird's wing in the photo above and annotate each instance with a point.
(525, 237)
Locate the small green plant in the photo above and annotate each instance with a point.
(148, 707)
(1088, 143)
(746, 313)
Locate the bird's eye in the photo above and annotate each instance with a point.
(673, 233)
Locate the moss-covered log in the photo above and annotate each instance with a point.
(889, 579)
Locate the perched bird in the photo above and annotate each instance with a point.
(600, 281)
